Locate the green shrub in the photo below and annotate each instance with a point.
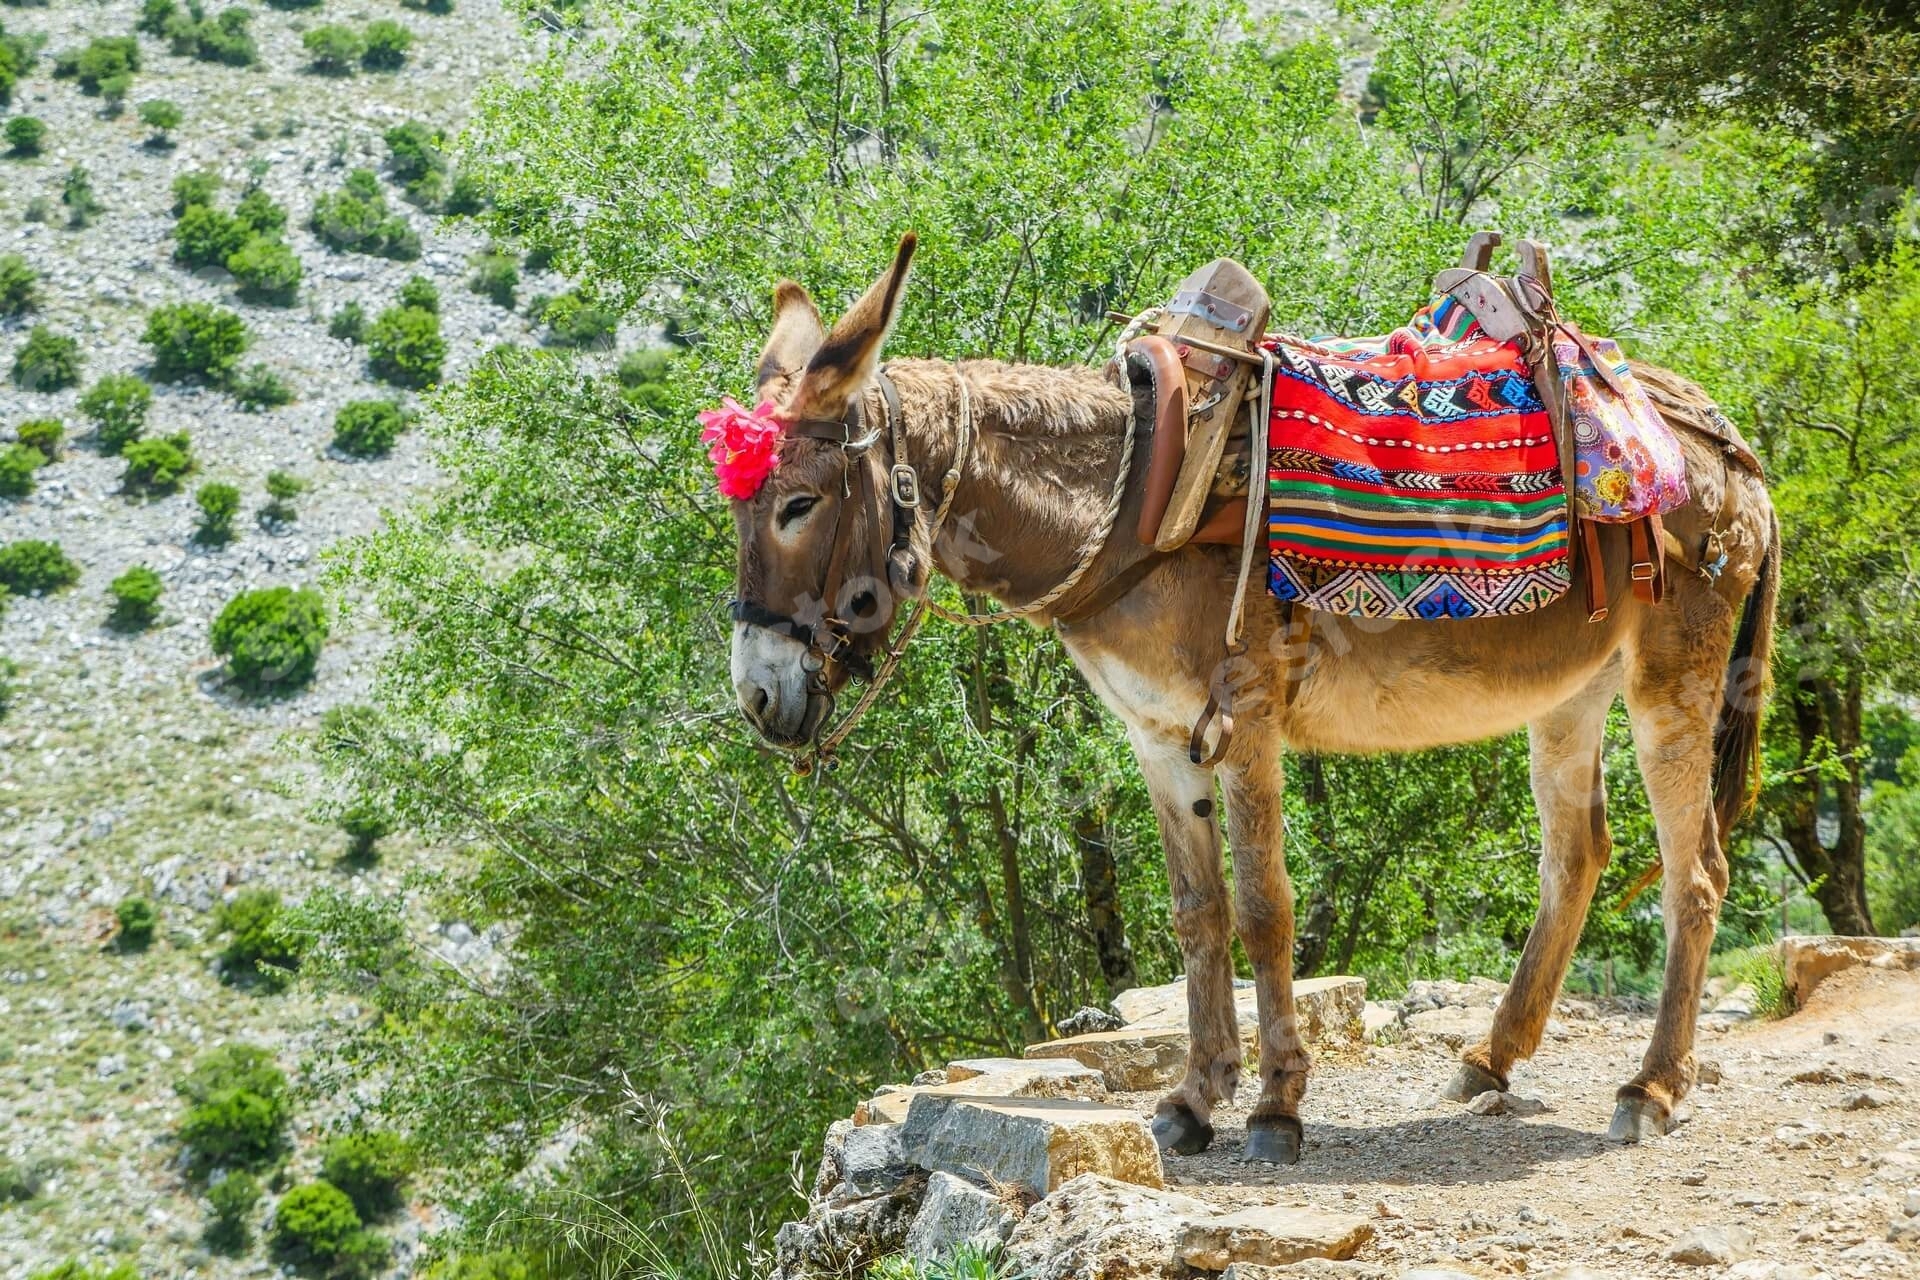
(282, 489)
(387, 45)
(268, 271)
(349, 323)
(574, 321)
(118, 405)
(157, 466)
(293, 4)
(224, 39)
(404, 347)
(258, 387)
(372, 1168)
(259, 214)
(479, 1266)
(356, 219)
(642, 376)
(163, 117)
(219, 503)
(190, 189)
(368, 428)
(74, 1269)
(138, 919)
(19, 285)
(420, 292)
(415, 154)
(207, 237)
(366, 824)
(333, 50)
(495, 276)
(34, 568)
(136, 599)
(468, 195)
(154, 16)
(195, 340)
(232, 1200)
(430, 6)
(76, 192)
(39, 209)
(9, 670)
(44, 434)
(48, 361)
(316, 1223)
(18, 462)
(238, 1106)
(20, 1180)
(256, 947)
(271, 638)
(106, 62)
(26, 135)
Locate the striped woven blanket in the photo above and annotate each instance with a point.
(1413, 476)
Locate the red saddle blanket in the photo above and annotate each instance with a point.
(1413, 476)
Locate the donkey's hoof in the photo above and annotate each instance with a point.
(1179, 1131)
(1638, 1118)
(1275, 1141)
(1469, 1082)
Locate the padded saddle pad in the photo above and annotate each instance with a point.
(1413, 476)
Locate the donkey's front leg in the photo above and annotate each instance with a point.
(1263, 914)
(1183, 801)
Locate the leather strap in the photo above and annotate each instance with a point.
(1646, 536)
(1169, 381)
(1594, 570)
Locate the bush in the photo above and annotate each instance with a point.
(136, 599)
(224, 39)
(154, 16)
(195, 340)
(190, 189)
(404, 347)
(387, 45)
(573, 321)
(138, 919)
(255, 947)
(259, 387)
(20, 1180)
(430, 6)
(259, 214)
(108, 62)
(495, 277)
(219, 503)
(18, 462)
(9, 672)
(232, 1200)
(32, 568)
(26, 135)
(415, 155)
(479, 1266)
(118, 405)
(19, 285)
(268, 271)
(74, 1269)
(316, 1223)
(642, 377)
(333, 50)
(271, 638)
(238, 1106)
(468, 195)
(372, 1168)
(419, 292)
(157, 466)
(368, 428)
(349, 323)
(76, 192)
(356, 219)
(44, 434)
(366, 825)
(48, 361)
(163, 117)
(282, 489)
(207, 237)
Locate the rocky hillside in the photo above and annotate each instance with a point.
(126, 765)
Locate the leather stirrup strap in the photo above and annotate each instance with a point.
(1169, 444)
(1649, 559)
(1593, 570)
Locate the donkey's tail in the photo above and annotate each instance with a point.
(1736, 735)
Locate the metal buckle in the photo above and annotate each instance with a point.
(1598, 615)
(906, 486)
(1643, 570)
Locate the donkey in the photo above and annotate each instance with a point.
(1041, 446)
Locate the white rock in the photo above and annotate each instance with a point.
(1712, 1246)
(1490, 1103)
(1035, 1143)
(1094, 1228)
(1271, 1235)
(954, 1212)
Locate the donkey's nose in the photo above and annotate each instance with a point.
(754, 700)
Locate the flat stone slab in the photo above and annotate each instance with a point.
(1131, 1060)
(1452, 1026)
(1808, 960)
(1272, 1235)
(1035, 1144)
(1094, 1228)
(990, 1078)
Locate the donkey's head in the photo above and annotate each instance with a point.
(815, 589)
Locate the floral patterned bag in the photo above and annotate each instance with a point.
(1627, 461)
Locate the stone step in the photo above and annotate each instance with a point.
(991, 1078)
(1272, 1236)
(1034, 1144)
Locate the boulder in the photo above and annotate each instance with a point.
(840, 1237)
(1712, 1246)
(1271, 1235)
(1094, 1228)
(989, 1078)
(955, 1212)
(871, 1159)
(1452, 1025)
(1308, 1269)
(1131, 1060)
(1809, 960)
(1379, 1022)
(1035, 1144)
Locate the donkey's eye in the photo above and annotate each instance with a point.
(796, 507)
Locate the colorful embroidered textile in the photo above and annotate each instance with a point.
(1627, 461)
(1413, 476)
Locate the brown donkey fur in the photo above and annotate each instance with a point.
(1047, 442)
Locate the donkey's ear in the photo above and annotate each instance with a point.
(797, 334)
(839, 370)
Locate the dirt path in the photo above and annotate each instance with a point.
(1810, 1141)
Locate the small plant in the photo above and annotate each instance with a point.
(419, 292)
(255, 947)
(9, 671)
(404, 347)
(157, 466)
(19, 285)
(495, 276)
(20, 1180)
(258, 387)
(232, 1200)
(118, 405)
(372, 1168)
(238, 1107)
(356, 219)
(154, 16)
(207, 237)
(333, 50)
(1758, 967)
(74, 1269)
(219, 503)
(196, 188)
(574, 321)
(163, 117)
(18, 462)
(282, 489)
(224, 39)
(368, 428)
(316, 1224)
(34, 568)
(271, 638)
(259, 214)
(138, 919)
(416, 157)
(642, 377)
(195, 340)
(366, 825)
(349, 323)
(468, 195)
(268, 271)
(438, 7)
(44, 434)
(104, 66)
(48, 361)
(76, 192)
(26, 136)
(388, 44)
(136, 599)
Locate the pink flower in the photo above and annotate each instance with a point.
(745, 445)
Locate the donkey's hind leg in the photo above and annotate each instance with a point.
(1673, 695)
(1570, 793)
(1190, 833)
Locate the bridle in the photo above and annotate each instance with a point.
(831, 639)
